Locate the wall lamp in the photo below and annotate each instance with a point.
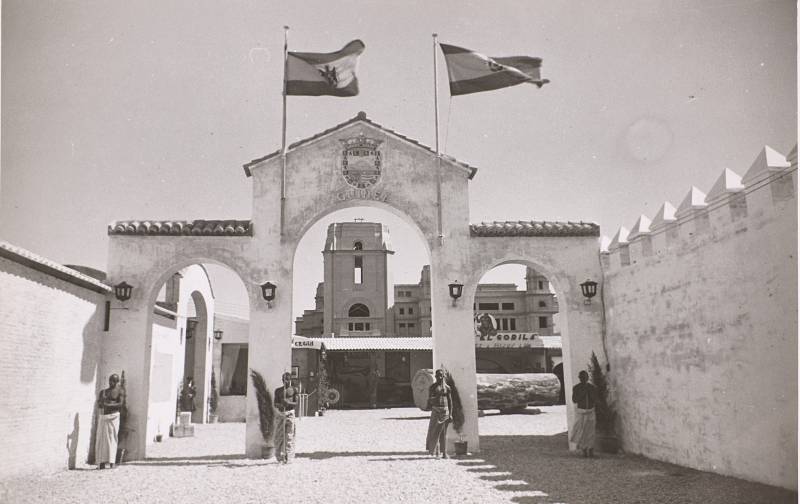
(268, 292)
(588, 289)
(217, 334)
(455, 290)
(122, 291)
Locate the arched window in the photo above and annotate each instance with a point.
(358, 310)
(358, 246)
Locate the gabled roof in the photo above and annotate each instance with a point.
(534, 228)
(360, 117)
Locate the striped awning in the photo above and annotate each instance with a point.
(371, 344)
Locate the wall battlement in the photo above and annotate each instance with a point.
(734, 204)
(701, 310)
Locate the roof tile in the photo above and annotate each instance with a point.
(533, 228)
(186, 228)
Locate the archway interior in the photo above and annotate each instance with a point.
(199, 331)
(362, 273)
(518, 350)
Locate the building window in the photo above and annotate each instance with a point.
(488, 306)
(402, 311)
(541, 285)
(358, 246)
(542, 322)
(358, 270)
(402, 324)
(542, 304)
(504, 324)
(410, 311)
(508, 306)
(401, 293)
(358, 326)
(233, 369)
(512, 324)
(358, 310)
(410, 326)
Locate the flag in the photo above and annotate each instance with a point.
(472, 72)
(318, 74)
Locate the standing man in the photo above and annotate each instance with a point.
(372, 384)
(584, 395)
(440, 402)
(110, 402)
(285, 401)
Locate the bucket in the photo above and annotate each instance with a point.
(461, 448)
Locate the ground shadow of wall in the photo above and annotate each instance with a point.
(543, 464)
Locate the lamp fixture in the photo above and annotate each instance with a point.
(268, 292)
(217, 334)
(588, 289)
(122, 291)
(456, 289)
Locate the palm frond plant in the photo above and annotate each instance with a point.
(605, 413)
(213, 398)
(604, 410)
(458, 410)
(266, 413)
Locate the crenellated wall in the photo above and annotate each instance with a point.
(701, 307)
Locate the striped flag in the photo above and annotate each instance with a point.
(318, 74)
(472, 72)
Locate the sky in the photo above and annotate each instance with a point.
(116, 110)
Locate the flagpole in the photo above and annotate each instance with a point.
(438, 154)
(283, 129)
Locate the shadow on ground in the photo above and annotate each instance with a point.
(543, 463)
(322, 455)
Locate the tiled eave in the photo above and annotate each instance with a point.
(533, 228)
(182, 228)
(39, 263)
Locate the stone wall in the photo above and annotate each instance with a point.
(701, 308)
(51, 321)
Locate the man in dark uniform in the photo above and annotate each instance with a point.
(285, 401)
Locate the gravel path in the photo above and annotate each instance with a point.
(378, 456)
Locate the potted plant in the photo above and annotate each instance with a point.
(266, 414)
(213, 400)
(606, 439)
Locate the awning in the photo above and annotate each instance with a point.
(371, 344)
(303, 343)
(514, 339)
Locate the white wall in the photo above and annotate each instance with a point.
(702, 336)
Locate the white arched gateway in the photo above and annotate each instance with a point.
(356, 163)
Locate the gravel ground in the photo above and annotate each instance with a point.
(378, 456)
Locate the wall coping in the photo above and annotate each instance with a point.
(36, 262)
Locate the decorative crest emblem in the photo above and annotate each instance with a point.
(361, 161)
(495, 66)
(330, 75)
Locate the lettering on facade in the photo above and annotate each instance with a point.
(508, 340)
(366, 194)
